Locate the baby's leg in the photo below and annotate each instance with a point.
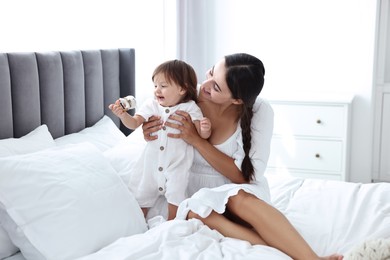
(172, 210)
(145, 211)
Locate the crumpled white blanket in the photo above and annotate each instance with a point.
(378, 249)
(181, 239)
(328, 214)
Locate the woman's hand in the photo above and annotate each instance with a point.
(153, 125)
(187, 128)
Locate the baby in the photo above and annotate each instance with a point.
(165, 162)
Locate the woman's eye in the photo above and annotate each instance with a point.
(216, 88)
(210, 72)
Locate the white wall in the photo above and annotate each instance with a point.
(51, 25)
(308, 46)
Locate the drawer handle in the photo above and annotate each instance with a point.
(319, 121)
(317, 155)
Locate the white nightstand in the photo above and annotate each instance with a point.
(311, 137)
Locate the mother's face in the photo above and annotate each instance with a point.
(215, 88)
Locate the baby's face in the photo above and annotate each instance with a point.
(167, 94)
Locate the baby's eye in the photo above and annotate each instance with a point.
(215, 87)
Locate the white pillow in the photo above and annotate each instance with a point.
(36, 140)
(7, 248)
(124, 156)
(65, 202)
(104, 134)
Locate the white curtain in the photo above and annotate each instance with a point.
(195, 34)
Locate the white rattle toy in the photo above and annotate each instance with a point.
(128, 102)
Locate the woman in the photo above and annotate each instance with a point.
(229, 192)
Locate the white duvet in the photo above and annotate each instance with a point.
(332, 216)
(180, 239)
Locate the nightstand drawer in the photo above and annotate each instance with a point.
(309, 120)
(303, 154)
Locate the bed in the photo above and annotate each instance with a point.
(65, 159)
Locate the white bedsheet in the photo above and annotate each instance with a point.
(332, 216)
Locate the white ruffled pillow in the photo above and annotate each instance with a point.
(104, 134)
(36, 140)
(65, 202)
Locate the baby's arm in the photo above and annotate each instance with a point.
(131, 122)
(203, 127)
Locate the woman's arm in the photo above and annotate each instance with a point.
(221, 162)
(217, 159)
(262, 129)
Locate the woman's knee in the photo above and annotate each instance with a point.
(242, 201)
(192, 214)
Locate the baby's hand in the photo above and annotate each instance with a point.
(117, 109)
(205, 124)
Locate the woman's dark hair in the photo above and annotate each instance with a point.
(182, 74)
(245, 79)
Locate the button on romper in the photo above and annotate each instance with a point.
(163, 168)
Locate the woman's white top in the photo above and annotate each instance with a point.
(163, 168)
(210, 190)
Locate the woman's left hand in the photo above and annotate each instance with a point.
(187, 128)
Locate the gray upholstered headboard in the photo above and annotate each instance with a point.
(66, 90)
